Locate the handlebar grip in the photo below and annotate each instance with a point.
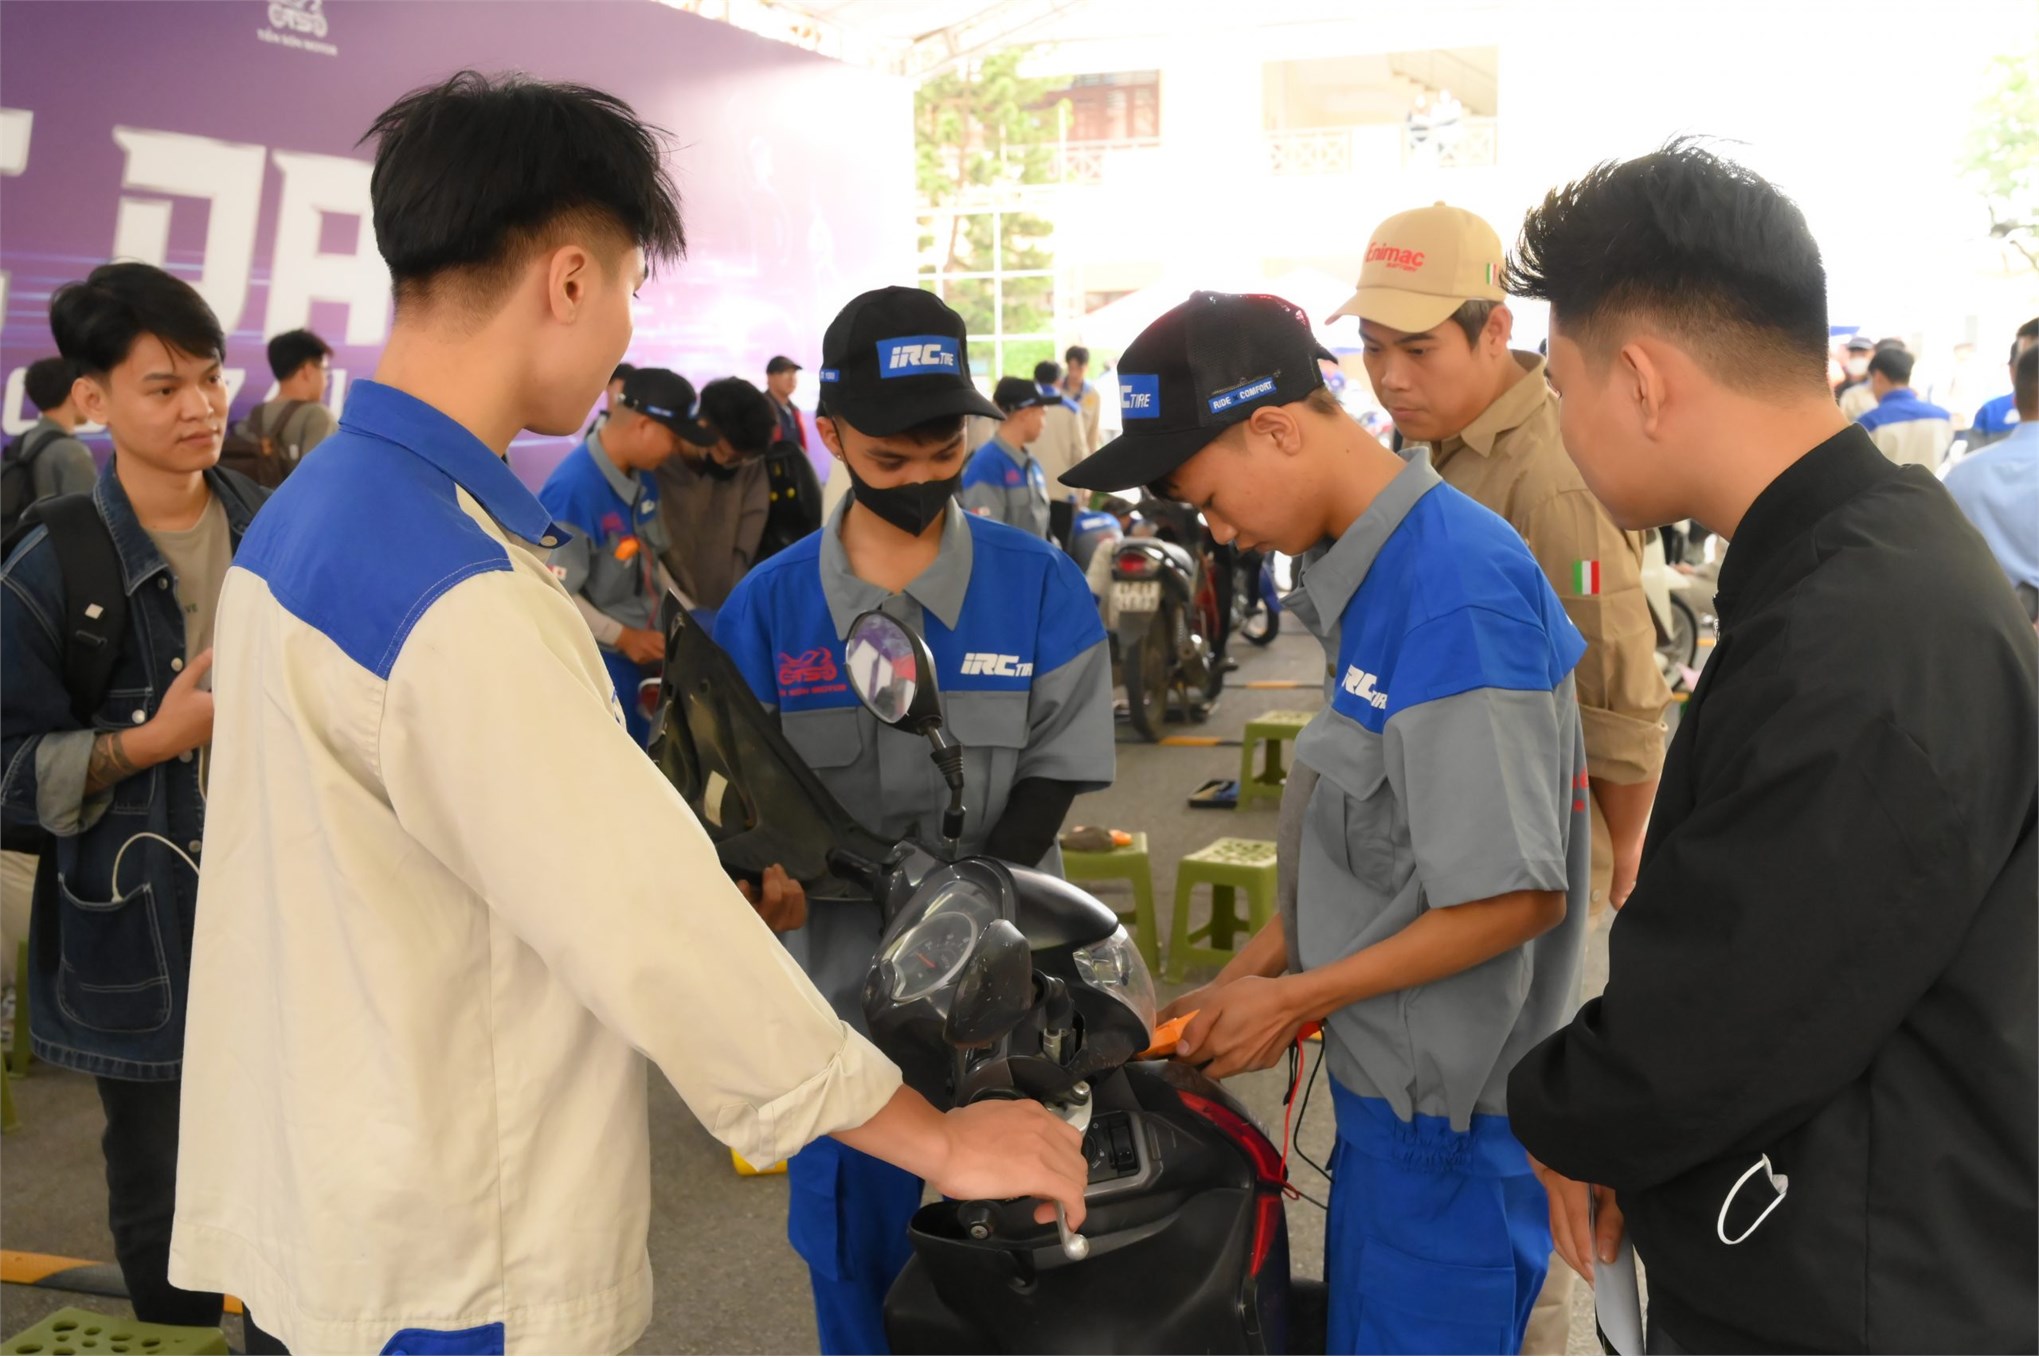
(854, 867)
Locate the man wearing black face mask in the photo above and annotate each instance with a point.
(714, 498)
(1023, 664)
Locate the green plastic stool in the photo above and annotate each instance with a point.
(1124, 864)
(1271, 730)
(81, 1331)
(1226, 866)
(18, 1057)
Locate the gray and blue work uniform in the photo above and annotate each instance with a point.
(1451, 768)
(609, 561)
(1006, 483)
(1025, 675)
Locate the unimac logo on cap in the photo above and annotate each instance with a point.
(1409, 261)
(1239, 395)
(916, 355)
(1139, 396)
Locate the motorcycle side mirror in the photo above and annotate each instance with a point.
(893, 673)
(995, 990)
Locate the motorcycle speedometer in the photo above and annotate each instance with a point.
(931, 955)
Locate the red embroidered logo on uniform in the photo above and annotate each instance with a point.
(1582, 786)
(809, 666)
(1409, 261)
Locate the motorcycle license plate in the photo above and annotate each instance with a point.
(1136, 596)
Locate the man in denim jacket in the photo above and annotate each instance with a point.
(123, 801)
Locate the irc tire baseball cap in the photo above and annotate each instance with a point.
(895, 358)
(1421, 266)
(1194, 373)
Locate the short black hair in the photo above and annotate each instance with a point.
(474, 173)
(928, 433)
(2025, 384)
(96, 321)
(1894, 364)
(2030, 329)
(1705, 250)
(740, 413)
(1077, 354)
(1471, 318)
(1046, 373)
(622, 371)
(292, 349)
(49, 381)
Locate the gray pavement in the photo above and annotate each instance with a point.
(727, 1282)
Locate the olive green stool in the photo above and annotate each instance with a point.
(1124, 864)
(1272, 730)
(81, 1331)
(1227, 866)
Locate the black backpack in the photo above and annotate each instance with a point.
(94, 620)
(17, 478)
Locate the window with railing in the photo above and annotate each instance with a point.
(1112, 106)
(989, 265)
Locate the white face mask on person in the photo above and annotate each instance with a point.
(1858, 368)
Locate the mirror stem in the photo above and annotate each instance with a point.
(948, 756)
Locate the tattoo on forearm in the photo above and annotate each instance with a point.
(109, 763)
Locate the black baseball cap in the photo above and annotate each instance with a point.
(666, 396)
(781, 363)
(1014, 394)
(1195, 372)
(895, 358)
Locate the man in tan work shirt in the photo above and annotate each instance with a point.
(1435, 326)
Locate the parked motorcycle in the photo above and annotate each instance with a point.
(997, 981)
(1168, 618)
(1677, 625)
(1256, 601)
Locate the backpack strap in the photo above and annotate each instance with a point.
(282, 422)
(95, 599)
(30, 450)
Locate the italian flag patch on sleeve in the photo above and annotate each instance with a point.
(1586, 577)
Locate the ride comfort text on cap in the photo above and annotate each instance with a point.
(1423, 265)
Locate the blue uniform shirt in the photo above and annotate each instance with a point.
(1006, 483)
(610, 557)
(1997, 416)
(1025, 675)
(1452, 769)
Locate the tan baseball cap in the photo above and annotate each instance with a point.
(1423, 265)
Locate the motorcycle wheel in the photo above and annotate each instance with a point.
(1147, 667)
(1682, 650)
(1261, 626)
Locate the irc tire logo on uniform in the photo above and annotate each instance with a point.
(995, 665)
(1364, 686)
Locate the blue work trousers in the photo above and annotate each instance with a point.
(847, 1219)
(1438, 1240)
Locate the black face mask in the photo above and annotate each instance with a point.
(909, 508)
(718, 471)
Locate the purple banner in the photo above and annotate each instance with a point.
(217, 138)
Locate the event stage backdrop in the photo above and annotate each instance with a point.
(218, 138)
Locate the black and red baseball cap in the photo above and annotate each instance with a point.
(1195, 372)
(895, 358)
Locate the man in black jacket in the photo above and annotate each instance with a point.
(1810, 1085)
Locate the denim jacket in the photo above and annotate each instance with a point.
(110, 961)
